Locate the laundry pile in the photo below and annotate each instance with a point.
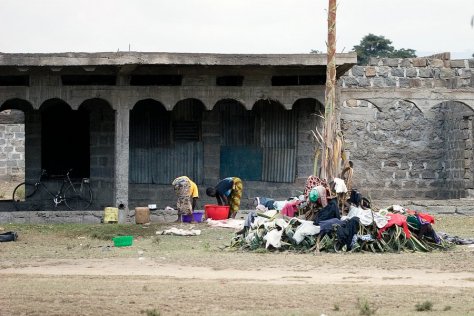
(390, 230)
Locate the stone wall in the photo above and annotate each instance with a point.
(12, 145)
(410, 73)
(400, 151)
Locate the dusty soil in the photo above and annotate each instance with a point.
(69, 269)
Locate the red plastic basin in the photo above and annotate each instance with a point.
(216, 211)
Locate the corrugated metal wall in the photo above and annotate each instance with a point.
(154, 158)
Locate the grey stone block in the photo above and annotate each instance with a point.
(411, 72)
(459, 63)
(358, 71)
(398, 72)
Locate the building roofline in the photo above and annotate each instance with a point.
(158, 58)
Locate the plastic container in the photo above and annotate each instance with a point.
(111, 215)
(216, 211)
(123, 241)
(196, 215)
(142, 215)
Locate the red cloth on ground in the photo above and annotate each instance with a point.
(290, 208)
(395, 219)
(427, 217)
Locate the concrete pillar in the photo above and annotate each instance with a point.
(122, 123)
(32, 145)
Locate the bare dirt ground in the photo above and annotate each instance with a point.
(75, 270)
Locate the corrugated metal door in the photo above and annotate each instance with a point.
(278, 139)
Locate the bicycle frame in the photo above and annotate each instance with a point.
(58, 198)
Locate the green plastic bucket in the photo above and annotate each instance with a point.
(123, 241)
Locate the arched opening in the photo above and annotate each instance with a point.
(12, 145)
(454, 127)
(310, 117)
(187, 119)
(65, 140)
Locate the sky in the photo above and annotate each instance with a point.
(232, 26)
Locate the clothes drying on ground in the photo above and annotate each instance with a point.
(273, 238)
(346, 231)
(278, 205)
(456, 239)
(290, 208)
(330, 211)
(327, 225)
(307, 228)
(180, 232)
(425, 216)
(340, 185)
(395, 219)
(226, 223)
(267, 202)
(367, 217)
(422, 228)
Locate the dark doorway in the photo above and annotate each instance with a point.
(64, 139)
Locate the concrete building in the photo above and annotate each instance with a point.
(132, 122)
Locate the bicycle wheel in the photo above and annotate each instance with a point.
(23, 197)
(78, 196)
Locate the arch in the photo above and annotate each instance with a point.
(361, 103)
(219, 105)
(310, 105)
(188, 109)
(190, 102)
(148, 103)
(414, 104)
(47, 105)
(451, 108)
(259, 104)
(16, 104)
(94, 103)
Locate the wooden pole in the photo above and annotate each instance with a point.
(330, 154)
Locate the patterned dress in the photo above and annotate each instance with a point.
(182, 188)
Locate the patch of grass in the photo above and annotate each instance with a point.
(425, 306)
(95, 231)
(365, 309)
(447, 308)
(150, 312)
(156, 240)
(336, 307)
(206, 246)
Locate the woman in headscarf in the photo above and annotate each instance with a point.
(228, 192)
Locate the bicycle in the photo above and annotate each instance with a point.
(33, 196)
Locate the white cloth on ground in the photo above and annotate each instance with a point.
(180, 232)
(307, 228)
(226, 223)
(273, 238)
(368, 216)
(340, 186)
